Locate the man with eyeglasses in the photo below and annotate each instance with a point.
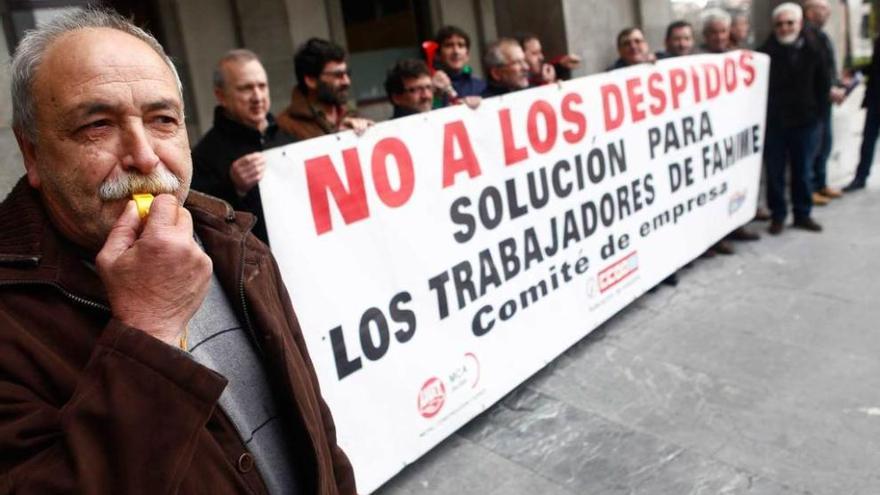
(319, 101)
(409, 88)
(228, 161)
(506, 66)
(799, 86)
(632, 48)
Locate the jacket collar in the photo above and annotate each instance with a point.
(228, 126)
(301, 108)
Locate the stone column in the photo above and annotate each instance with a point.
(205, 38)
(11, 168)
(591, 29)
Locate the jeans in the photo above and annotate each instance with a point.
(820, 164)
(796, 146)
(869, 140)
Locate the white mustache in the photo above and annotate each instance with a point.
(160, 181)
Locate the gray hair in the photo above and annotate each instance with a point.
(30, 51)
(814, 3)
(790, 8)
(494, 56)
(716, 15)
(239, 55)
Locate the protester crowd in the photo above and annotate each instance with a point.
(804, 84)
(117, 331)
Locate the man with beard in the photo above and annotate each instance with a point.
(139, 355)
(798, 88)
(540, 72)
(506, 65)
(318, 103)
(409, 88)
(228, 162)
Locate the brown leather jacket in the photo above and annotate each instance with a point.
(303, 121)
(91, 406)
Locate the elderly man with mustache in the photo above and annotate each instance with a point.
(157, 355)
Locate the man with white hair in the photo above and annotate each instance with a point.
(798, 88)
(816, 14)
(140, 351)
(716, 31)
(506, 68)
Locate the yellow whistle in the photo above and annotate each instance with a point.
(143, 202)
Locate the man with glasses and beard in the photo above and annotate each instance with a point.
(409, 88)
(318, 104)
(799, 86)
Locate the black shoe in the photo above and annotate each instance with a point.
(743, 234)
(722, 247)
(776, 227)
(807, 223)
(671, 280)
(855, 185)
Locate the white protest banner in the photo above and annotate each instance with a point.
(441, 259)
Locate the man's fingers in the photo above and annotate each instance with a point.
(184, 221)
(163, 213)
(122, 235)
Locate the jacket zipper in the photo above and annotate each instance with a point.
(244, 307)
(73, 297)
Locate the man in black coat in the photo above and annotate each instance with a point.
(799, 87)
(228, 162)
(816, 13)
(872, 122)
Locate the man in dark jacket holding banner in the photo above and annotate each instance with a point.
(228, 162)
(798, 88)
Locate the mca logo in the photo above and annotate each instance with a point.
(736, 201)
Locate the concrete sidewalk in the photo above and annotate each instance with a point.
(758, 374)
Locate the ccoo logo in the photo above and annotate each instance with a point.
(432, 396)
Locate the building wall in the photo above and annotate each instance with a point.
(205, 38)
(5, 102)
(547, 22)
(592, 27)
(654, 16)
(266, 29)
(10, 166)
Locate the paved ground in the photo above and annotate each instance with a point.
(759, 374)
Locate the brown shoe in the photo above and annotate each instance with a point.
(820, 200)
(776, 227)
(722, 247)
(762, 214)
(830, 192)
(708, 254)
